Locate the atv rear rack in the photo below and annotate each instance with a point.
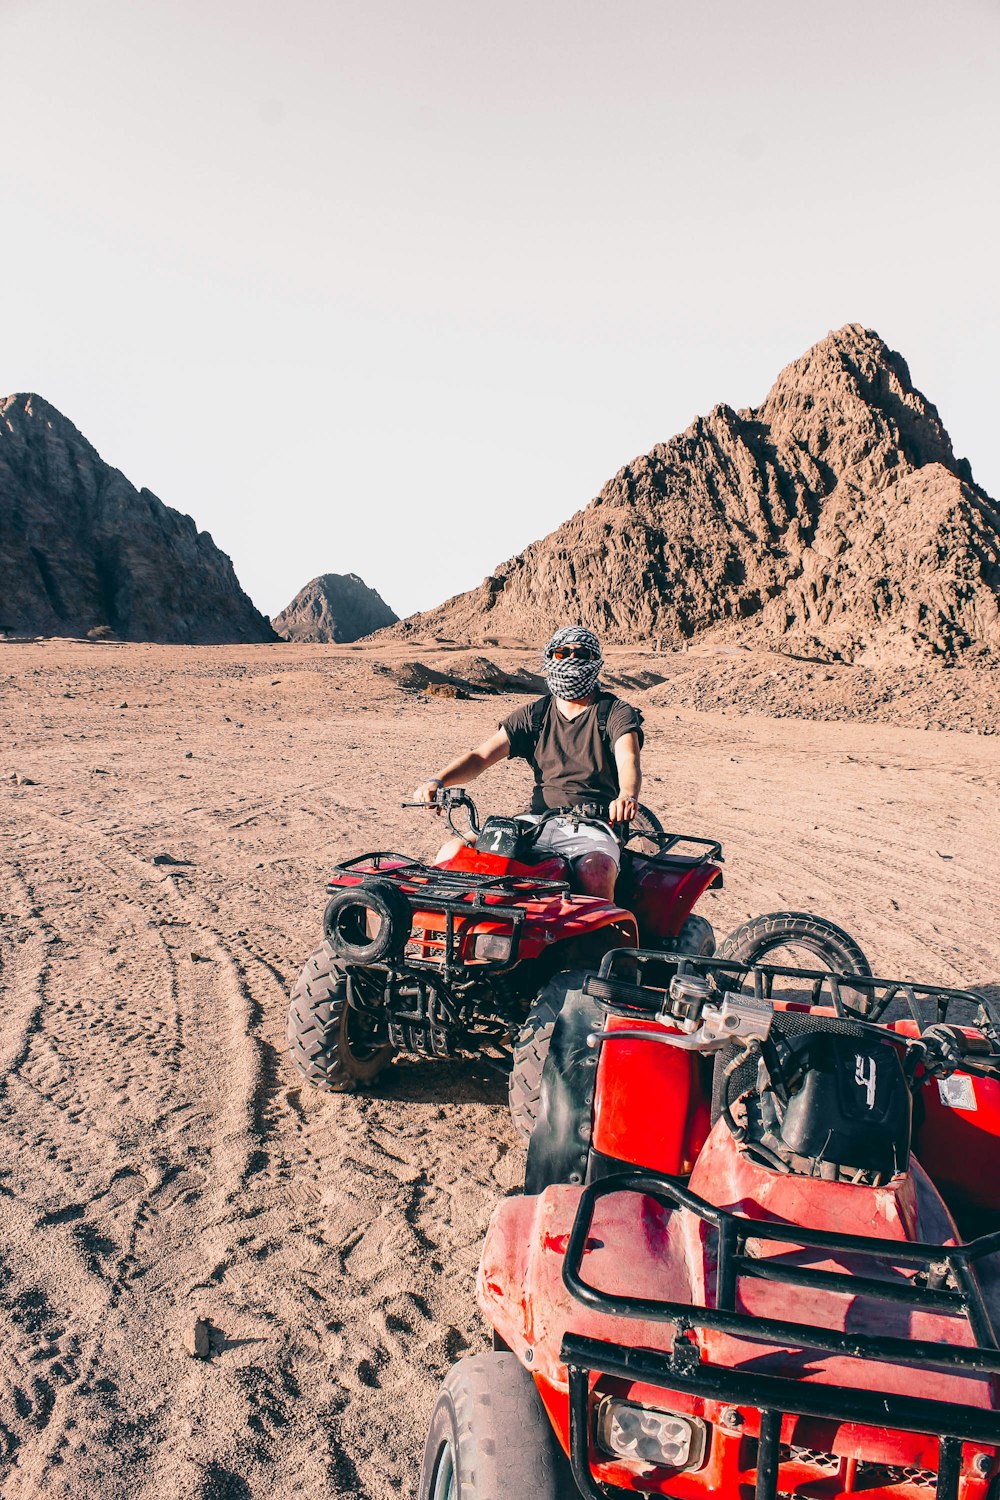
(671, 851)
(774, 1396)
(926, 1003)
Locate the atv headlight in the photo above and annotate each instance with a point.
(648, 1436)
(495, 946)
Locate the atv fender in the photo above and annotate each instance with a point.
(634, 1250)
(662, 893)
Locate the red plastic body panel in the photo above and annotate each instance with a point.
(651, 1103)
(957, 1144)
(663, 893)
(549, 918)
(638, 1248)
(478, 862)
(655, 899)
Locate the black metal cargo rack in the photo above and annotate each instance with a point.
(925, 1003)
(671, 853)
(434, 883)
(453, 893)
(774, 1396)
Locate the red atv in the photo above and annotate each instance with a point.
(748, 1279)
(444, 958)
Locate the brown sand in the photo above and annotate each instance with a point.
(161, 1161)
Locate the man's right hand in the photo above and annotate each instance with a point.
(427, 791)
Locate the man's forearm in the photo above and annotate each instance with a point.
(466, 768)
(629, 776)
(631, 784)
(474, 762)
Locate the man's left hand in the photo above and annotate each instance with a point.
(623, 810)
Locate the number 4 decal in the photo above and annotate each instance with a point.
(865, 1080)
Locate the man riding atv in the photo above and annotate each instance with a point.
(584, 745)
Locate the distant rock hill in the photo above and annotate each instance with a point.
(334, 607)
(833, 519)
(82, 551)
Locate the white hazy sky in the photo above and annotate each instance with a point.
(392, 287)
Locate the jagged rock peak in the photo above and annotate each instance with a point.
(833, 518)
(336, 607)
(854, 379)
(84, 552)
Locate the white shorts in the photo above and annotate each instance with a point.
(560, 836)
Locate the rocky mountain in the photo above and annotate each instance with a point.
(81, 550)
(833, 519)
(334, 607)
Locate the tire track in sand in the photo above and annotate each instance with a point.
(114, 1266)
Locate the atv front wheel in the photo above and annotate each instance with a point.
(333, 1046)
(837, 950)
(490, 1438)
(524, 1086)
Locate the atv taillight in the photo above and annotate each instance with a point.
(644, 1435)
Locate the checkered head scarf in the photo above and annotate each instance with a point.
(573, 678)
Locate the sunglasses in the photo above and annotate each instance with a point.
(578, 653)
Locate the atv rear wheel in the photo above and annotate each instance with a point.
(490, 1438)
(763, 936)
(696, 938)
(333, 1046)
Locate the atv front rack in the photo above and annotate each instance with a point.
(776, 1396)
(431, 883)
(772, 1397)
(461, 898)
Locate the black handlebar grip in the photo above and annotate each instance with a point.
(612, 991)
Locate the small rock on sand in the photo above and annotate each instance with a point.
(196, 1338)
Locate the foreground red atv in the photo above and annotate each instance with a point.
(799, 1316)
(439, 959)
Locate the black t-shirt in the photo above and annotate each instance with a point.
(573, 762)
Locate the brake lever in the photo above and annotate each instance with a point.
(442, 801)
(740, 1018)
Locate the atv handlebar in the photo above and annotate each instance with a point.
(695, 1023)
(446, 799)
(695, 1016)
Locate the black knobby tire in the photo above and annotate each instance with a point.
(524, 1086)
(490, 1438)
(753, 941)
(329, 1042)
(696, 938)
(349, 912)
